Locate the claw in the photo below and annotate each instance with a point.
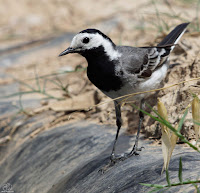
(105, 168)
(118, 158)
(140, 149)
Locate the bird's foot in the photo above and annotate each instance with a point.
(118, 158)
(135, 150)
(106, 167)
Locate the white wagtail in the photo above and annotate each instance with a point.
(121, 70)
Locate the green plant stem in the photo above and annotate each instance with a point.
(182, 121)
(32, 92)
(180, 175)
(167, 177)
(60, 73)
(175, 184)
(37, 79)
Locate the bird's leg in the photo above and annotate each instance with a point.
(113, 158)
(135, 147)
(119, 124)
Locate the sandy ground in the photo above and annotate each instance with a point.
(135, 23)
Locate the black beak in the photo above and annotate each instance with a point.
(67, 51)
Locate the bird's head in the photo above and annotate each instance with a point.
(90, 40)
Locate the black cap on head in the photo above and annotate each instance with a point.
(95, 31)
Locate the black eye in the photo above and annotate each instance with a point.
(85, 40)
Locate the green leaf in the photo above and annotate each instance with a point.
(182, 121)
(180, 171)
(155, 112)
(167, 177)
(153, 185)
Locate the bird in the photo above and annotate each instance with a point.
(122, 70)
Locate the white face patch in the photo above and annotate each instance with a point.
(95, 40)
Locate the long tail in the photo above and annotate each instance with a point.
(174, 36)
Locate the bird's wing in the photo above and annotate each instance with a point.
(143, 61)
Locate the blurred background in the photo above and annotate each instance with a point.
(34, 82)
